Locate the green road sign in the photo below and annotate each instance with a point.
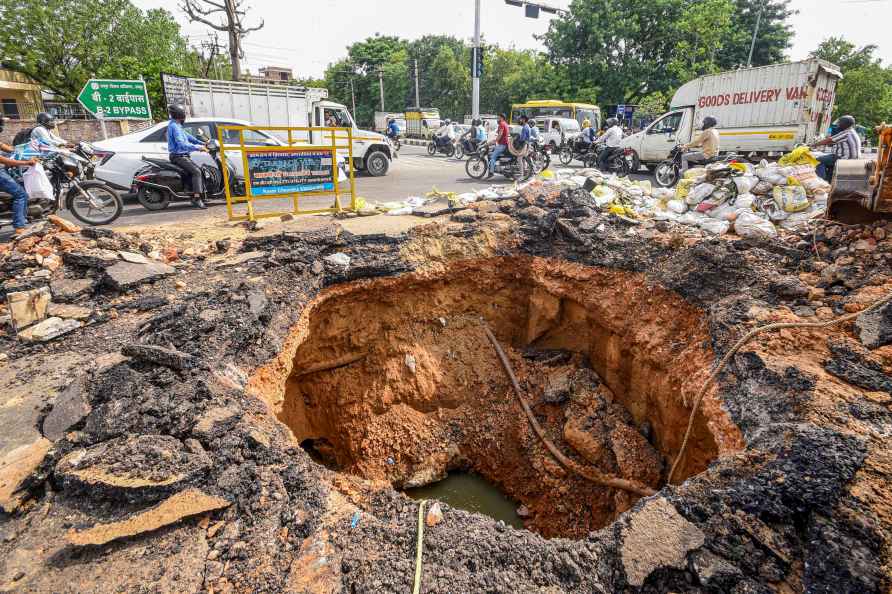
(116, 99)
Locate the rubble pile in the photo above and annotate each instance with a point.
(54, 274)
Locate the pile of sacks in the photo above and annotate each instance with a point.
(721, 197)
(752, 200)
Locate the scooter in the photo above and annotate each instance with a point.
(91, 201)
(160, 181)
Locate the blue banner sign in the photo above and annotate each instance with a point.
(290, 171)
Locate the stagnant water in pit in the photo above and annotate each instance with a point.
(470, 492)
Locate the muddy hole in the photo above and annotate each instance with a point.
(394, 380)
(471, 492)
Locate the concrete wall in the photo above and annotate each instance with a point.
(76, 130)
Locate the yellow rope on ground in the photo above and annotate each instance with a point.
(416, 588)
(591, 474)
(739, 344)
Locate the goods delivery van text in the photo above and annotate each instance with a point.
(761, 111)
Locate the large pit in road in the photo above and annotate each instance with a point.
(394, 380)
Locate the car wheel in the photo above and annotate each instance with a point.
(377, 164)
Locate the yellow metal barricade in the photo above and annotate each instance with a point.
(260, 178)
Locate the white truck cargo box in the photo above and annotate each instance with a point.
(765, 110)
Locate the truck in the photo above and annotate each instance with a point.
(280, 105)
(421, 121)
(381, 118)
(761, 112)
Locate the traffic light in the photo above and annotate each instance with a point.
(476, 62)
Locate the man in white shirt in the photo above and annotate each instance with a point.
(43, 131)
(444, 134)
(611, 138)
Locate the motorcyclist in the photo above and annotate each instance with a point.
(179, 144)
(534, 131)
(444, 134)
(846, 145)
(471, 139)
(585, 139)
(12, 187)
(43, 131)
(612, 138)
(707, 141)
(393, 130)
(501, 144)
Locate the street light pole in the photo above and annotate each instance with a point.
(475, 83)
(749, 60)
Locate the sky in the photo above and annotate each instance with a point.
(307, 35)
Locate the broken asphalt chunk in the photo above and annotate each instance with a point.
(70, 408)
(160, 356)
(124, 276)
(173, 509)
(15, 468)
(49, 329)
(874, 328)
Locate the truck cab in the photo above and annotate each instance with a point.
(651, 145)
(371, 151)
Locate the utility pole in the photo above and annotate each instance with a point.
(475, 82)
(417, 96)
(353, 97)
(381, 84)
(749, 60)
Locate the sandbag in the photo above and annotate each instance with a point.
(699, 193)
(694, 172)
(791, 198)
(683, 188)
(37, 184)
(677, 206)
(714, 226)
(744, 201)
(745, 183)
(751, 225)
(800, 155)
(762, 188)
(663, 193)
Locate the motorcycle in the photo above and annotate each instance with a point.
(160, 181)
(541, 156)
(507, 164)
(668, 171)
(395, 143)
(573, 150)
(619, 162)
(447, 148)
(70, 173)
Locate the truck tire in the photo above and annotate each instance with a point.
(377, 164)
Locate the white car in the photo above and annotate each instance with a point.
(121, 157)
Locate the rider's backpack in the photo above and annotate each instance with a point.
(23, 136)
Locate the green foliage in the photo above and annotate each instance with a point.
(631, 48)
(63, 43)
(773, 38)
(865, 91)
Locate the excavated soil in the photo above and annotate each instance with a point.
(394, 380)
(167, 455)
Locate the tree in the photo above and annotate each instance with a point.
(233, 13)
(63, 43)
(627, 49)
(772, 39)
(865, 91)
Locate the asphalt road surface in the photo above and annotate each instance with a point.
(414, 173)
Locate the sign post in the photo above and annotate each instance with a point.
(116, 100)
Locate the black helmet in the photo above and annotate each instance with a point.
(612, 122)
(176, 111)
(46, 120)
(845, 122)
(709, 122)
